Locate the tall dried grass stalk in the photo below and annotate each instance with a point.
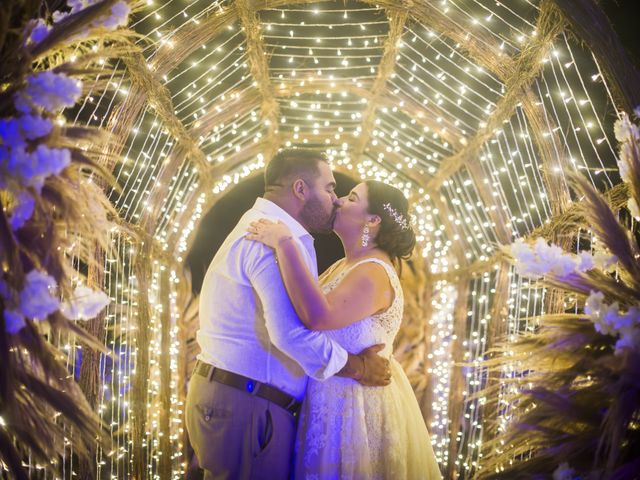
(187, 326)
(147, 91)
(573, 218)
(90, 381)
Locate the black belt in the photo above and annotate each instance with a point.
(252, 387)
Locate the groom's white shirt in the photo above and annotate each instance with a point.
(247, 323)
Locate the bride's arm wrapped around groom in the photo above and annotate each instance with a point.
(318, 356)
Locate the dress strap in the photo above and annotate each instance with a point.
(391, 272)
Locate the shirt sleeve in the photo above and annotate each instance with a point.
(318, 355)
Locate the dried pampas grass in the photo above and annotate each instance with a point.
(43, 409)
(573, 397)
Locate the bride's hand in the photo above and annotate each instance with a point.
(268, 232)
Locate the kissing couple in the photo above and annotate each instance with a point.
(296, 377)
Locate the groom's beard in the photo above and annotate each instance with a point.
(316, 218)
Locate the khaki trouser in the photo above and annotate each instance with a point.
(236, 435)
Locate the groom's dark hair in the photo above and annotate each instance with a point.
(292, 161)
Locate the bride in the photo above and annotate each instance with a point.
(347, 430)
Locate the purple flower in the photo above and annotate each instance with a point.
(36, 300)
(628, 340)
(542, 259)
(627, 321)
(119, 16)
(626, 131)
(39, 32)
(52, 160)
(521, 251)
(563, 265)
(22, 211)
(563, 472)
(18, 162)
(14, 321)
(84, 304)
(35, 126)
(610, 318)
(11, 132)
(14, 132)
(77, 5)
(34, 167)
(586, 261)
(49, 91)
(593, 305)
(58, 16)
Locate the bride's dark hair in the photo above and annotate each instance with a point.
(394, 237)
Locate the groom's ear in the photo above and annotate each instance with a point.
(299, 188)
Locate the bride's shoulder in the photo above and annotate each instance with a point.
(378, 268)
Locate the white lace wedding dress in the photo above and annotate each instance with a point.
(348, 431)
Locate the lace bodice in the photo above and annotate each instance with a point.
(379, 328)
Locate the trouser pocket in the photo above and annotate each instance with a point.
(263, 430)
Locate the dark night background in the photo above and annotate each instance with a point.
(220, 220)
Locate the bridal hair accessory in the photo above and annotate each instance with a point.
(397, 217)
(365, 236)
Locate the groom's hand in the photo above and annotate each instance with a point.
(368, 367)
(376, 369)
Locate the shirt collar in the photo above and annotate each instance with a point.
(271, 209)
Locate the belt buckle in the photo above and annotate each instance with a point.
(253, 387)
(203, 369)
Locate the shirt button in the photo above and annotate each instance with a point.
(207, 417)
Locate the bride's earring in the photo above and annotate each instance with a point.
(365, 236)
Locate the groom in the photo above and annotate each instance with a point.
(251, 374)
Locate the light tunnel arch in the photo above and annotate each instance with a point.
(524, 97)
(472, 47)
